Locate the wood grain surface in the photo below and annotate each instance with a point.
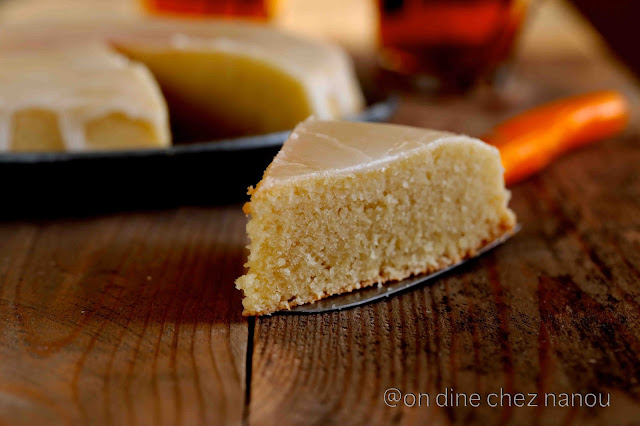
(129, 318)
(132, 318)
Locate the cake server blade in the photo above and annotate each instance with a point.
(370, 294)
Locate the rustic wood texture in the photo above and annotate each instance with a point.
(132, 318)
(124, 319)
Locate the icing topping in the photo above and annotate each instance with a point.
(323, 148)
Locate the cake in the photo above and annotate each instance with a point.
(218, 77)
(78, 98)
(347, 205)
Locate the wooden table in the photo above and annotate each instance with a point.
(133, 318)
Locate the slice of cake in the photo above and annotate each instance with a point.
(218, 77)
(346, 205)
(78, 98)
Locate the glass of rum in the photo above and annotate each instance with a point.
(449, 45)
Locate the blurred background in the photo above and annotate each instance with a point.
(354, 22)
(478, 38)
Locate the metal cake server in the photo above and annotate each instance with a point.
(370, 294)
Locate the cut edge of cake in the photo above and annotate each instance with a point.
(60, 99)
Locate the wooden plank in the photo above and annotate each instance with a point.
(128, 318)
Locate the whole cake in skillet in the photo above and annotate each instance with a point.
(346, 205)
(94, 85)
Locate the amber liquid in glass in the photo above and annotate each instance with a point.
(253, 9)
(454, 42)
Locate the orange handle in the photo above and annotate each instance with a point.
(530, 141)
